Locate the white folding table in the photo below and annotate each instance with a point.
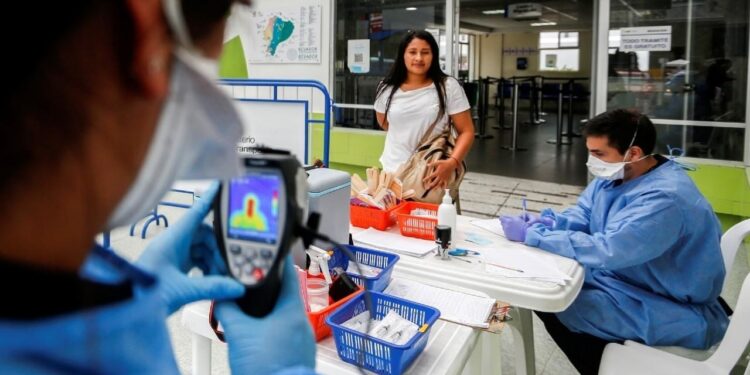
(450, 345)
(524, 295)
(449, 348)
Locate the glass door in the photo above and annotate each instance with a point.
(685, 64)
(379, 27)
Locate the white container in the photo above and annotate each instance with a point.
(317, 294)
(328, 194)
(447, 214)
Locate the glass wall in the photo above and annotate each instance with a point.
(380, 24)
(684, 63)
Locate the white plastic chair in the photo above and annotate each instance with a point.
(731, 241)
(636, 358)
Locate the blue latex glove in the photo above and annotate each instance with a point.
(514, 227)
(281, 340)
(187, 244)
(545, 220)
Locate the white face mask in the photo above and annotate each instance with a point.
(195, 138)
(611, 171)
(605, 170)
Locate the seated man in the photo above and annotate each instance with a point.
(649, 243)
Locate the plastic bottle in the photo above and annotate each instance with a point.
(447, 212)
(313, 272)
(318, 268)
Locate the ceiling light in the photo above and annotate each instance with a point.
(494, 11)
(544, 24)
(411, 8)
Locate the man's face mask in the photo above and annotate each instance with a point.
(611, 171)
(197, 132)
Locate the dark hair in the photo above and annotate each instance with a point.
(619, 126)
(38, 119)
(397, 75)
(37, 122)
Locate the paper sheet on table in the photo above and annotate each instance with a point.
(517, 257)
(491, 225)
(454, 306)
(393, 242)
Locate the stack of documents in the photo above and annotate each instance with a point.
(387, 241)
(454, 306)
(515, 260)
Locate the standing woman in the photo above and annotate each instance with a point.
(415, 95)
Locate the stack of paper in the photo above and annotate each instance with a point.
(387, 241)
(516, 261)
(454, 306)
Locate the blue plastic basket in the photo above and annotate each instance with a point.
(369, 257)
(374, 354)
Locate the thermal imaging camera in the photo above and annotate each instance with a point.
(256, 216)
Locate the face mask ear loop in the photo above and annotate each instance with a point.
(632, 141)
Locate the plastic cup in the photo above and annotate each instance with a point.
(317, 294)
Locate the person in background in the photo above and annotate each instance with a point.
(414, 95)
(648, 241)
(106, 104)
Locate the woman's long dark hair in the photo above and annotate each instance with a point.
(397, 75)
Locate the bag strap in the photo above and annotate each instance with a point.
(426, 136)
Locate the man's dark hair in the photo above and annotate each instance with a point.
(619, 126)
(26, 91)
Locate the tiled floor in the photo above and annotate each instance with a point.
(540, 161)
(486, 195)
(481, 195)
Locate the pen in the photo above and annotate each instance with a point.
(504, 267)
(459, 258)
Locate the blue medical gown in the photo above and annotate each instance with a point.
(128, 337)
(650, 249)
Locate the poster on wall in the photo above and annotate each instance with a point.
(283, 35)
(550, 61)
(358, 55)
(649, 38)
(276, 125)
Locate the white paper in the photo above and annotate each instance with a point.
(276, 125)
(512, 257)
(647, 38)
(491, 225)
(387, 241)
(358, 55)
(454, 306)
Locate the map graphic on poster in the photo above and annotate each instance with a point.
(284, 35)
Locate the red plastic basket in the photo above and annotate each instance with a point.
(417, 226)
(366, 217)
(318, 319)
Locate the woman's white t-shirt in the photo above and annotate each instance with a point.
(410, 115)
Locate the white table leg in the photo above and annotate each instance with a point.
(522, 327)
(201, 355)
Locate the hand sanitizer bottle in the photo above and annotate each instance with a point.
(447, 213)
